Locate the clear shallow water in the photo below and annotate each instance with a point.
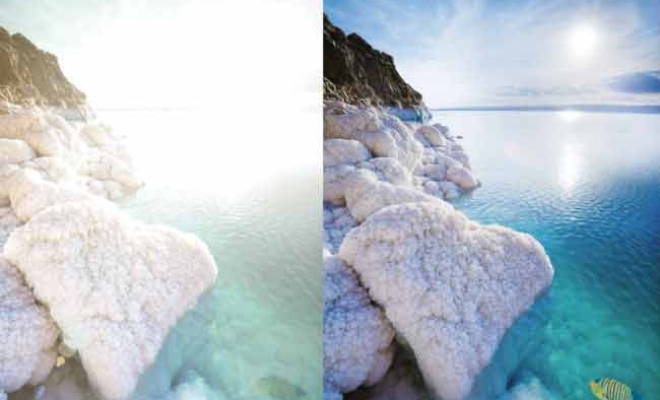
(260, 217)
(587, 186)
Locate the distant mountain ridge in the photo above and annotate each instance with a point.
(29, 75)
(356, 73)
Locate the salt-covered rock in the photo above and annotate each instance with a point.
(13, 151)
(90, 156)
(328, 394)
(357, 339)
(54, 169)
(29, 194)
(461, 157)
(47, 133)
(335, 181)
(365, 195)
(113, 285)
(437, 172)
(432, 188)
(343, 151)
(432, 135)
(383, 134)
(447, 161)
(402, 381)
(97, 135)
(6, 172)
(390, 170)
(27, 333)
(449, 286)
(338, 221)
(8, 222)
(20, 121)
(462, 177)
(443, 129)
(446, 186)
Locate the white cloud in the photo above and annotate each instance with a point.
(464, 52)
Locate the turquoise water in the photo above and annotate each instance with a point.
(587, 186)
(262, 221)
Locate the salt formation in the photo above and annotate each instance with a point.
(449, 287)
(373, 159)
(113, 285)
(357, 338)
(27, 333)
(100, 288)
(90, 157)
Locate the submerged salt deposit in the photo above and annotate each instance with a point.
(449, 287)
(90, 286)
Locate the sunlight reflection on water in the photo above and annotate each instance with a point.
(588, 188)
(254, 197)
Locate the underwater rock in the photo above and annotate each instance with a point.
(451, 287)
(280, 389)
(27, 333)
(402, 382)
(357, 339)
(532, 389)
(67, 382)
(113, 285)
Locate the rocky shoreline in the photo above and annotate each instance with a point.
(90, 286)
(408, 277)
(30, 76)
(356, 73)
(87, 293)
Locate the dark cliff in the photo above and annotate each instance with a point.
(29, 75)
(355, 72)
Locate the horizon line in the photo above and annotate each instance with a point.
(605, 108)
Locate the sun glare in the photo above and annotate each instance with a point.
(569, 116)
(583, 40)
(571, 167)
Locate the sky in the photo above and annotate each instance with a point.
(179, 53)
(515, 52)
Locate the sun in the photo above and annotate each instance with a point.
(583, 40)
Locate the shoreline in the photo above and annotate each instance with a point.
(60, 181)
(376, 216)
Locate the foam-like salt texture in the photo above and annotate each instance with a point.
(449, 286)
(357, 339)
(113, 285)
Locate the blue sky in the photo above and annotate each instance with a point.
(480, 52)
